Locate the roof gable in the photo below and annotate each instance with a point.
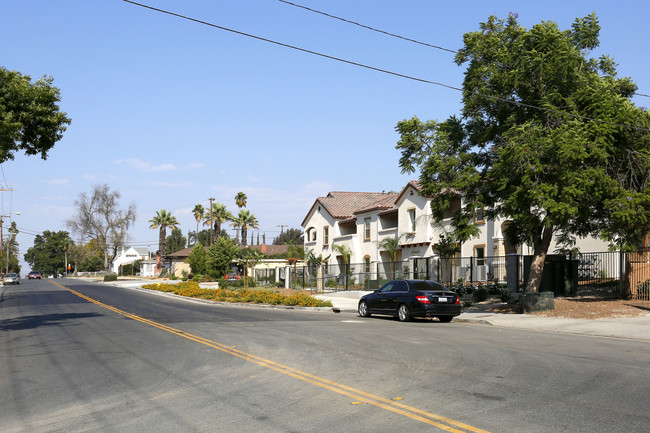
(342, 205)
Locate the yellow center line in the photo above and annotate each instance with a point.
(380, 402)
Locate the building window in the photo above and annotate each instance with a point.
(479, 253)
(412, 219)
(366, 264)
(366, 229)
(326, 235)
(479, 215)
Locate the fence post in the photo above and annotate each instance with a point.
(287, 277)
(512, 273)
(471, 270)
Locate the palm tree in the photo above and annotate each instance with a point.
(246, 220)
(391, 245)
(240, 199)
(198, 212)
(162, 220)
(219, 215)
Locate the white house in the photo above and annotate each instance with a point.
(361, 220)
(129, 255)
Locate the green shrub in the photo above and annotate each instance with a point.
(480, 294)
(110, 277)
(504, 296)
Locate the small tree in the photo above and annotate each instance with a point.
(197, 259)
(220, 257)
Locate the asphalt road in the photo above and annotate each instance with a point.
(101, 358)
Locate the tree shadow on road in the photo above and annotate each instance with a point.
(30, 322)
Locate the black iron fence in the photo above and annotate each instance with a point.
(601, 274)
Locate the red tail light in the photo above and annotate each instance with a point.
(457, 300)
(423, 299)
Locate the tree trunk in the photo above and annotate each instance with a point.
(161, 241)
(217, 231)
(244, 232)
(539, 257)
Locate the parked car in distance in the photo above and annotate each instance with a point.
(34, 274)
(406, 299)
(11, 278)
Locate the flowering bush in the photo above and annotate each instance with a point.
(272, 297)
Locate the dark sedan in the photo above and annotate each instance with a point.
(411, 298)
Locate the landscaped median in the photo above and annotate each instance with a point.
(250, 296)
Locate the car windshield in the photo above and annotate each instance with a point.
(428, 286)
(10, 275)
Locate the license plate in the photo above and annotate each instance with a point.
(443, 300)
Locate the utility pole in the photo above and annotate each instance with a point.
(282, 232)
(211, 222)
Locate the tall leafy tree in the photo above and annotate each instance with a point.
(47, 255)
(289, 235)
(30, 119)
(176, 241)
(161, 221)
(246, 220)
(9, 251)
(99, 217)
(549, 140)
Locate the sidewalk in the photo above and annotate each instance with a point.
(633, 328)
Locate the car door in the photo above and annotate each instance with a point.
(396, 296)
(377, 301)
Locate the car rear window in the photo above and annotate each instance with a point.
(429, 286)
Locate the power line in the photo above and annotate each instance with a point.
(387, 33)
(369, 28)
(408, 77)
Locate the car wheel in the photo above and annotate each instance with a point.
(403, 313)
(363, 309)
(445, 319)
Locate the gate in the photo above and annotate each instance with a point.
(638, 274)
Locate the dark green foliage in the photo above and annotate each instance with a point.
(110, 277)
(30, 119)
(176, 241)
(481, 294)
(289, 235)
(197, 259)
(551, 171)
(220, 256)
(130, 268)
(47, 255)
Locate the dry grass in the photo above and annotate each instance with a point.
(577, 308)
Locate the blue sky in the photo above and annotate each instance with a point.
(170, 112)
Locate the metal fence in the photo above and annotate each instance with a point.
(599, 274)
